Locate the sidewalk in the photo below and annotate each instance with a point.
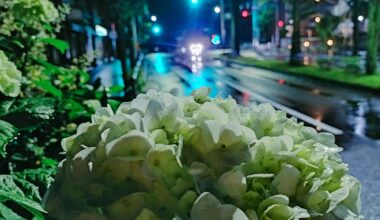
(110, 74)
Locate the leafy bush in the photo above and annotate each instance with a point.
(40, 103)
(352, 64)
(161, 156)
(325, 63)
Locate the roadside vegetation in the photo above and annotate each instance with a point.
(334, 74)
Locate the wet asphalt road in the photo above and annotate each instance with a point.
(356, 113)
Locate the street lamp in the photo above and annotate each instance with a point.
(361, 18)
(153, 18)
(217, 9)
(330, 43)
(317, 19)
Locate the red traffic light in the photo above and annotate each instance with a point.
(280, 23)
(245, 13)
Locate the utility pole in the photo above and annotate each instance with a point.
(255, 23)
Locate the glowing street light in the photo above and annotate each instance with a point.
(306, 44)
(361, 18)
(317, 19)
(153, 18)
(217, 9)
(330, 43)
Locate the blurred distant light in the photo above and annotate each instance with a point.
(153, 18)
(306, 44)
(156, 29)
(280, 23)
(217, 9)
(100, 31)
(291, 21)
(245, 13)
(194, 2)
(317, 0)
(361, 18)
(183, 49)
(290, 46)
(281, 81)
(193, 58)
(199, 59)
(215, 39)
(317, 19)
(306, 60)
(330, 42)
(196, 49)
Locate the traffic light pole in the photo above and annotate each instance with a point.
(277, 28)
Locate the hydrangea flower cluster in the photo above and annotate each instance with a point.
(165, 157)
(30, 14)
(10, 77)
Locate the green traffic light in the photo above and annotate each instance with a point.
(156, 29)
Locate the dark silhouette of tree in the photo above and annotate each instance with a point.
(124, 13)
(373, 36)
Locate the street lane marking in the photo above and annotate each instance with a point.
(290, 111)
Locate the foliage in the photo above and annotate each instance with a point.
(373, 36)
(40, 103)
(352, 64)
(334, 74)
(325, 63)
(161, 156)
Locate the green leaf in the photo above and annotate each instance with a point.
(10, 191)
(27, 113)
(5, 106)
(50, 68)
(8, 214)
(60, 45)
(115, 89)
(7, 133)
(43, 176)
(47, 86)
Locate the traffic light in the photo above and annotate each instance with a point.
(215, 39)
(280, 23)
(245, 13)
(156, 29)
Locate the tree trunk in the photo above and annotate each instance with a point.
(295, 52)
(121, 52)
(373, 36)
(235, 35)
(134, 47)
(355, 21)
